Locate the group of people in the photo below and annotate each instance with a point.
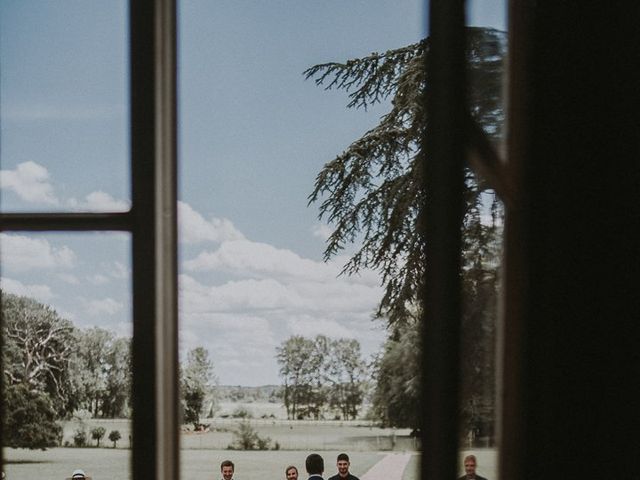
(314, 465)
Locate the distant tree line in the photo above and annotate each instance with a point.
(322, 377)
(53, 370)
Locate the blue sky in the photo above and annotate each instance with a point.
(252, 136)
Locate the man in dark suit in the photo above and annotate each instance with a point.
(343, 469)
(470, 464)
(315, 466)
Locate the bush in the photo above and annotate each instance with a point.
(97, 433)
(30, 419)
(241, 412)
(114, 436)
(246, 438)
(80, 437)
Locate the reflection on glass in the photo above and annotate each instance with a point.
(486, 62)
(482, 254)
(66, 329)
(299, 364)
(64, 106)
(482, 242)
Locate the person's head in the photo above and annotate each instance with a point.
(226, 468)
(343, 464)
(79, 474)
(291, 472)
(314, 464)
(470, 464)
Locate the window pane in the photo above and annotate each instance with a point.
(279, 324)
(67, 326)
(482, 250)
(64, 106)
(486, 56)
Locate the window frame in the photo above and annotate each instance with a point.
(152, 223)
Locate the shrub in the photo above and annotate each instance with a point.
(114, 436)
(246, 438)
(241, 412)
(80, 437)
(97, 433)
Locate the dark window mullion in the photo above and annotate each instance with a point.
(66, 221)
(442, 218)
(144, 400)
(154, 190)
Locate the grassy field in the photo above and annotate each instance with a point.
(202, 452)
(290, 435)
(113, 464)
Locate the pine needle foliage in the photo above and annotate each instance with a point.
(371, 194)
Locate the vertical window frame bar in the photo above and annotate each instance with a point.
(152, 222)
(154, 195)
(441, 226)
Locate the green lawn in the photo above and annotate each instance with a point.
(113, 464)
(202, 452)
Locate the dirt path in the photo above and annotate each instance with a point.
(390, 467)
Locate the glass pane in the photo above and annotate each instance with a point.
(296, 355)
(66, 326)
(64, 106)
(487, 56)
(482, 243)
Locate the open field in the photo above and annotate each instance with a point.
(290, 434)
(113, 464)
(202, 452)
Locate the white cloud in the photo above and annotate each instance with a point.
(99, 201)
(69, 278)
(98, 279)
(194, 228)
(244, 258)
(119, 271)
(41, 293)
(30, 181)
(310, 327)
(247, 258)
(21, 253)
(321, 230)
(242, 347)
(107, 306)
(244, 295)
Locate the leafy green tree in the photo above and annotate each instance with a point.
(101, 372)
(90, 367)
(347, 373)
(30, 419)
(196, 384)
(37, 350)
(114, 436)
(372, 195)
(97, 433)
(80, 436)
(320, 374)
(295, 357)
(396, 393)
(115, 400)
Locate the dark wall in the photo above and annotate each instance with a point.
(582, 313)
